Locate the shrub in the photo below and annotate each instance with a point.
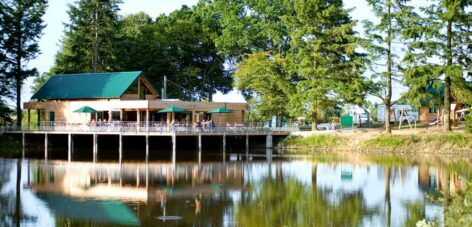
(468, 123)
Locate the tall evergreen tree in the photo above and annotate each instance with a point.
(440, 51)
(21, 25)
(381, 37)
(324, 55)
(89, 37)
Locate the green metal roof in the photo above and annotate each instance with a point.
(87, 85)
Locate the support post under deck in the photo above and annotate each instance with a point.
(120, 148)
(174, 148)
(199, 142)
(46, 146)
(147, 148)
(69, 147)
(23, 144)
(224, 142)
(269, 141)
(95, 147)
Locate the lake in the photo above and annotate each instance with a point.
(237, 189)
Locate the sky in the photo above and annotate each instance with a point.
(56, 16)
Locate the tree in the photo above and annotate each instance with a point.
(324, 57)
(440, 51)
(21, 25)
(255, 40)
(89, 37)
(380, 37)
(261, 77)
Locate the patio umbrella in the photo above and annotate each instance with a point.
(86, 109)
(220, 110)
(173, 110)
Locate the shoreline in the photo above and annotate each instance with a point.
(377, 142)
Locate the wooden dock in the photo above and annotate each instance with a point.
(148, 131)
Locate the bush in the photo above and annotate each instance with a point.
(468, 123)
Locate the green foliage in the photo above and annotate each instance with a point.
(468, 123)
(179, 45)
(324, 52)
(89, 37)
(21, 26)
(458, 212)
(317, 141)
(291, 203)
(39, 81)
(393, 16)
(264, 78)
(442, 31)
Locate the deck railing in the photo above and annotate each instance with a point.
(154, 127)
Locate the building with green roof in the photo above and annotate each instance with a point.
(117, 97)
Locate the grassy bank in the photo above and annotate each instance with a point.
(415, 142)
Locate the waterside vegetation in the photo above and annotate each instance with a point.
(369, 142)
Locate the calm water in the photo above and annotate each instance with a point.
(320, 190)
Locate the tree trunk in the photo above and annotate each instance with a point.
(447, 80)
(388, 96)
(314, 119)
(18, 101)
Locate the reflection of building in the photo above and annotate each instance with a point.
(137, 182)
(435, 180)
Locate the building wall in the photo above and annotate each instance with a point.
(64, 110)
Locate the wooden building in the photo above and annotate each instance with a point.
(119, 97)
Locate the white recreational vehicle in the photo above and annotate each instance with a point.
(396, 113)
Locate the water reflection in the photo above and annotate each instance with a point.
(228, 193)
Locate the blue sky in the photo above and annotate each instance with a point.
(56, 16)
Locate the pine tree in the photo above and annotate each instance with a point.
(21, 24)
(89, 37)
(440, 51)
(324, 53)
(381, 37)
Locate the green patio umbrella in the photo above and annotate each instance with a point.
(173, 110)
(220, 110)
(85, 109)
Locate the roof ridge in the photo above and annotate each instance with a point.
(100, 73)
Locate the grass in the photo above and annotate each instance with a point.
(414, 142)
(391, 141)
(317, 141)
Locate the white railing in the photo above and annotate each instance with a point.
(154, 127)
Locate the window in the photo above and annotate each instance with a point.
(433, 110)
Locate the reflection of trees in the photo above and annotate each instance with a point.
(271, 203)
(415, 212)
(387, 195)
